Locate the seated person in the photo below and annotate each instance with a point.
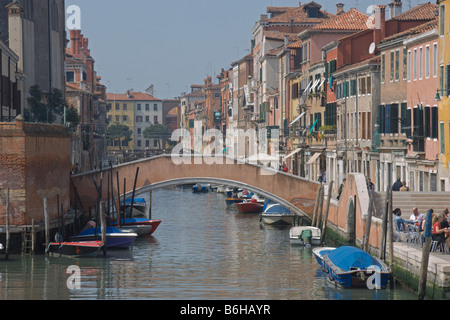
(399, 222)
(439, 232)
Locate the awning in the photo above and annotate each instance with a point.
(313, 158)
(296, 119)
(292, 153)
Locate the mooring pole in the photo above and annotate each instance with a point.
(325, 217)
(425, 255)
(134, 190)
(47, 223)
(8, 235)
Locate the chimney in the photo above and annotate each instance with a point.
(75, 37)
(380, 22)
(395, 8)
(339, 8)
(286, 40)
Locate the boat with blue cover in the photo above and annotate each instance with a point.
(201, 187)
(320, 252)
(139, 207)
(115, 238)
(276, 214)
(351, 267)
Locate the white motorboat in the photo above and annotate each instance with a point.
(305, 235)
(276, 214)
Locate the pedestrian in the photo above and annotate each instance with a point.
(370, 185)
(397, 185)
(341, 187)
(404, 187)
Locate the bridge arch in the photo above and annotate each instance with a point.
(297, 194)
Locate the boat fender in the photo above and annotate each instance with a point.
(58, 237)
(361, 276)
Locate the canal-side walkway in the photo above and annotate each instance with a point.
(409, 259)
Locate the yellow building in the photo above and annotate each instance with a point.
(120, 111)
(443, 93)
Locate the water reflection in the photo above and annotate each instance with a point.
(202, 250)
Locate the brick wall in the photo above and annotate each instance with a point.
(34, 164)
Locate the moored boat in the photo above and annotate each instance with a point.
(74, 249)
(139, 207)
(351, 267)
(276, 214)
(249, 206)
(320, 252)
(232, 201)
(115, 238)
(201, 187)
(141, 226)
(305, 235)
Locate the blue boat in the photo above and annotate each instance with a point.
(201, 187)
(115, 238)
(351, 267)
(319, 253)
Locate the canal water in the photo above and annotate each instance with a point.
(201, 251)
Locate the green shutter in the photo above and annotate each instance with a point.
(442, 137)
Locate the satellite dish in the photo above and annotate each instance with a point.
(372, 48)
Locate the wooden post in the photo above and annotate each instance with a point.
(134, 191)
(103, 226)
(47, 223)
(325, 217)
(150, 205)
(33, 232)
(320, 208)
(391, 233)
(368, 225)
(425, 256)
(383, 226)
(118, 199)
(8, 235)
(313, 223)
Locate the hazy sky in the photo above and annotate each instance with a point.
(174, 43)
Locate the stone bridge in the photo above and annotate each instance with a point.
(297, 194)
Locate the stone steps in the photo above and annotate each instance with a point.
(424, 201)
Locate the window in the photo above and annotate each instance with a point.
(369, 85)
(117, 106)
(353, 87)
(155, 143)
(138, 118)
(447, 80)
(139, 106)
(392, 66)
(409, 65)
(397, 65)
(415, 64)
(427, 122)
(434, 122)
(383, 67)
(441, 78)
(147, 107)
(435, 58)
(155, 119)
(427, 61)
(442, 20)
(405, 63)
(362, 86)
(155, 107)
(124, 119)
(139, 143)
(139, 131)
(70, 75)
(147, 118)
(125, 107)
(442, 137)
(420, 63)
(117, 119)
(147, 143)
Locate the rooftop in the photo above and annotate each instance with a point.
(130, 96)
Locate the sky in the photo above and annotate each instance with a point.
(175, 43)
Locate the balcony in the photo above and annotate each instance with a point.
(393, 141)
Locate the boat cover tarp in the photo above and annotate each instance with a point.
(348, 257)
(136, 201)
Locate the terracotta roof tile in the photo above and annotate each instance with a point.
(350, 20)
(424, 27)
(299, 15)
(424, 11)
(280, 35)
(134, 96)
(295, 45)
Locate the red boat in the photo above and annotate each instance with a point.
(74, 249)
(249, 207)
(141, 226)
